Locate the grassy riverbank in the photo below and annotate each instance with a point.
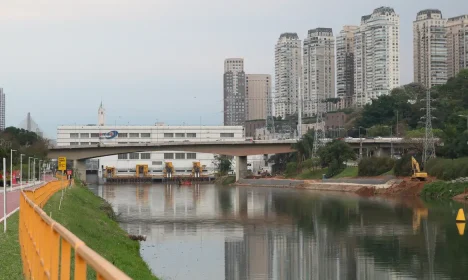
(10, 254)
(443, 189)
(92, 220)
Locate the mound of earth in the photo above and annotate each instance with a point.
(407, 187)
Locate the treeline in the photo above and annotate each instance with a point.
(23, 142)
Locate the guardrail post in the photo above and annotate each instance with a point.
(65, 260)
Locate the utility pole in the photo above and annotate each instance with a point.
(429, 142)
(319, 131)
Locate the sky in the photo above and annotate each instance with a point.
(157, 60)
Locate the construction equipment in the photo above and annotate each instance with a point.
(110, 172)
(168, 169)
(417, 174)
(196, 169)
(141, 170)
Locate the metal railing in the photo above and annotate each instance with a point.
(46, 246)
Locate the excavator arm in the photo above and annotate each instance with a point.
(417, 174)
(415, 165)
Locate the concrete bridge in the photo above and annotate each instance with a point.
(239, 149)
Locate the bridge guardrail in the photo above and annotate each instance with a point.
(46, 245)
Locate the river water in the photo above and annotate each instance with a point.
(209, 232)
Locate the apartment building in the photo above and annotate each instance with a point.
(258, 96)
(457, 44)
(234, 92)
(345, 66)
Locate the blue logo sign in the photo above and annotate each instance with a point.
(110, 135)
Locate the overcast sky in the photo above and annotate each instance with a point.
(154, 60)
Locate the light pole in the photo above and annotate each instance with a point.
(34, 170)
(39, 177)
(21, 170)
(29, 169)
(11, 170)
(360, 143)
(465, 116)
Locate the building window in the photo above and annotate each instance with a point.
(94, 135)
(122, 156)
(134, 156)
(180, 135)
(73, 135)
(73, 143)
(168, 156)
(84, 135)
(122, 142)
(226, 135)
(191, 135)
(168, 135)
(84, 143)
(94, 143)
(134, 135)
(122, 135)
(180, 156)
(145, 155)
(145, 135)
(156, 163)
(191, 155)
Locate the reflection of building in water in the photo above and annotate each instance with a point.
(142, 194)
(235, 265)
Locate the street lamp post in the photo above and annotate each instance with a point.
(11, 170)
(34, 170)
(360, 143)
(21, 170)
(39, 175)
(29, 169)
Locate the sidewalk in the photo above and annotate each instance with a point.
(13, 196)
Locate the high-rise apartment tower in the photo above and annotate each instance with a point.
(345, 66)
(258, 96)
(457, 44)
(234, 91)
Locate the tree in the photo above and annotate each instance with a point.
(222, 164)
(334, 155)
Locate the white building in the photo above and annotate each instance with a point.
(2, 110)
(430, 48)
(345, 66)
(125, 164)
(377, 55)
(288, 68)
(319, 69)
(457, 44)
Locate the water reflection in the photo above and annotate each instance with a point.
(209, 232)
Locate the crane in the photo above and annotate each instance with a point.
(417, 174)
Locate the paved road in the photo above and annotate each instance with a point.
(364, 181)
(14, 196)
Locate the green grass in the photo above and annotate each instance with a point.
(91, 219)
(312, 174)
(350, 171)
(390, 172)
(11, 267)
(443, 190)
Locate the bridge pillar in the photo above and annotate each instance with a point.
(79, 169)
(241, 167)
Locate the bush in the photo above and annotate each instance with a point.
(403, 166)
(334, 169)
(442, 189)
(291, 169)
(447, 169)
(375, 166)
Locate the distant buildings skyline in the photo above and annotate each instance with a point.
(363, 62)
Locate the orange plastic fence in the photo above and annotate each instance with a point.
(46, 245)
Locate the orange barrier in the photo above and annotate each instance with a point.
(46, 245)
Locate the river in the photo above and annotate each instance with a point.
(246, 233)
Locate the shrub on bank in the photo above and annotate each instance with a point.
(447, 169)
(442, 189)
(291, 170)
(403, 166)
(375, 166)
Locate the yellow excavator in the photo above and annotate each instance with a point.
(196, 169)
(417, 174)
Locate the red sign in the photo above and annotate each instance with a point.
(69, 172)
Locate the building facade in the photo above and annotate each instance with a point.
(2, 110)
(288, 68)
(430, 48)
(258, 96)
(457, 44)
(319, 69)
(234, 92)
(345, 66)
(377, 55)
(125, 164)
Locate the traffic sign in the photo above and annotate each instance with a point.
(69, 172)
(62, 163)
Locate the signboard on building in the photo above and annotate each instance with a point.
(62, 163)
(109, 135)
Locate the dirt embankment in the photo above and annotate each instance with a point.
(405, 188)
